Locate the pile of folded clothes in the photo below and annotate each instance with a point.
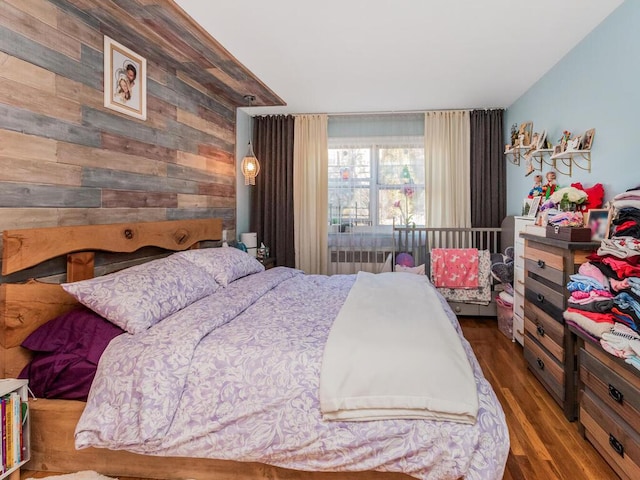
(605, 293)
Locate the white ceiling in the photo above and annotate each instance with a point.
(335, 56)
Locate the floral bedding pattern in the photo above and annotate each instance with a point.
(235, 376)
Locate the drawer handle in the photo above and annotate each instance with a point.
(616, 445)
(615, 394)
(540, 298)
(540, 363)
(541, 263)
(540, 330)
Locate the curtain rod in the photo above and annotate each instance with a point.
(392, 112)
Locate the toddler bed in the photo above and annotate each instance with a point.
(202, 340)
(431, 247)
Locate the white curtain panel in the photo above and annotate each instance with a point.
(310, 197)
(447, 168)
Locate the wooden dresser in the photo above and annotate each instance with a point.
(610, 406)
(549, 348)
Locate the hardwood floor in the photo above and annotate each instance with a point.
(544, 445)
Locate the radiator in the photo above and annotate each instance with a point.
(344, 261)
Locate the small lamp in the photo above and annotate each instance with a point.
(250, 164)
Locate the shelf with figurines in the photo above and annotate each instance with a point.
(573, 152)
(521, 142)
(539, 153)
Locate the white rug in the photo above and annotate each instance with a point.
(84, 475)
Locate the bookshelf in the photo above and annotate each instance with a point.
(7, 387)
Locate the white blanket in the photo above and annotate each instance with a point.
(392, 352)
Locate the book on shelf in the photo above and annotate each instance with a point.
(11, 409)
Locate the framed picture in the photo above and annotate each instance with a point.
(599, 221)
(587, 139)
(125, 80)
(557, 150)
(533, 208)
(541, 140)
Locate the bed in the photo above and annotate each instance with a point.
(253, 315)
(420, 243)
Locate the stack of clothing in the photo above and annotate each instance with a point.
(605, 293)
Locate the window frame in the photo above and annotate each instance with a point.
(375, 144)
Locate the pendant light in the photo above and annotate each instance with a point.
(250, 164)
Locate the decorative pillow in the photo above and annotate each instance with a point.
(137, 298)
(224, 264)
(66, 354)
(419, 270)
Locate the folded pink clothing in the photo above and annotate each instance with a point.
(631, 194)
(590, 270)
(619, 285)
(455, 267)
(585, 297)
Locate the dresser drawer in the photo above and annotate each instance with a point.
(541, 269)
(551, 257)
(545, 367)
(614, 440)
(547, 331)
(518, 279)
(518, 329)
(545, 298)
(619, 394)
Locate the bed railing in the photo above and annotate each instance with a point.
(368, 251)
(418, 241)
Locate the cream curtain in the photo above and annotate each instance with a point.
(447, 168)
(310, 197)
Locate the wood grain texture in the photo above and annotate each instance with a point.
(68, 153)
(40, 9)
(70, 160)
(32, 27)
(26, 73)
(544, 445)
(28, 247)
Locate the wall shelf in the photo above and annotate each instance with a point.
(572, 158)
(538, 158)
(514, 154)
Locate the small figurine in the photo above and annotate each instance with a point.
(551, 185)
(536, 191)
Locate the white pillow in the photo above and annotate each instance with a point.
(223, 264)
(138, 297)
(419, 270)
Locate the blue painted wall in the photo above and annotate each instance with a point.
(596, 85)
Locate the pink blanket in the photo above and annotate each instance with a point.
(454, 267)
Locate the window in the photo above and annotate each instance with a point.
(372, 182)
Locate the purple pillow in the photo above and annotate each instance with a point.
(66, 354)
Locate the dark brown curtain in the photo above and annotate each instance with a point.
(272, 197)
(488, 169)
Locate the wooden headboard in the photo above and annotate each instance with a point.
(26, 306)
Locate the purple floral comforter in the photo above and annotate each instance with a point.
(236, 376)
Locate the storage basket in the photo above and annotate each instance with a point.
(505, 317)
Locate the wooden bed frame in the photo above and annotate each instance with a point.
(26, 306)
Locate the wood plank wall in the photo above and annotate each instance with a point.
(65, 159)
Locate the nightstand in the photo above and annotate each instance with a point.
(268, 262)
